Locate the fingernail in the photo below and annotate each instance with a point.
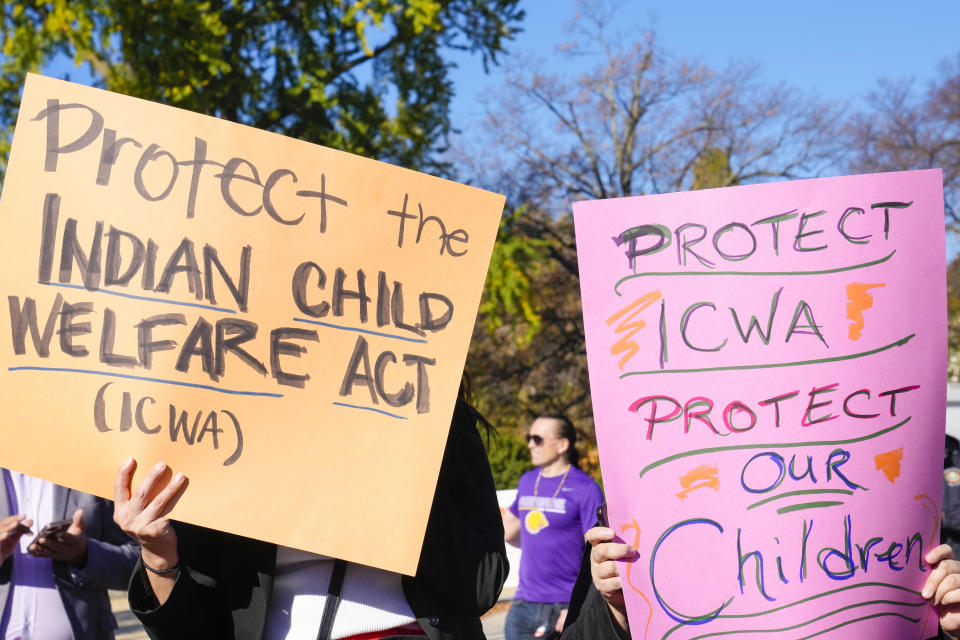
(926, 593)
(160, 466)
(178, 477)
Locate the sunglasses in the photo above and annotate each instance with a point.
(536, 440)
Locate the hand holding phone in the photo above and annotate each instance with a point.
(51, 530)
(62, 541)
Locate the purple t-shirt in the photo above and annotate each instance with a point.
(552, 539)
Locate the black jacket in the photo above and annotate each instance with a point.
(587, 614)
(225, 590)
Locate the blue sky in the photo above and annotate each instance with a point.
(837, 49)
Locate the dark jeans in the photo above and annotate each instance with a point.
(525, 619)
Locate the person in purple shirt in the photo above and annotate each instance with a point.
(556, 504)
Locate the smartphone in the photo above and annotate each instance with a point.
(51, 529)
(602, 515)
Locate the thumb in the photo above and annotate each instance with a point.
(76, 527)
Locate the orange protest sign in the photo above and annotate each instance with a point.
(284, 323)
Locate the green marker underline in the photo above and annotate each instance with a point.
(808, 505)
(799, 625)
(802, 492)
(776, 365)
(771, 445)
(864, 265)
(825, 594)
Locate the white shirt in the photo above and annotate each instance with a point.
(370, 599)
(34, 609)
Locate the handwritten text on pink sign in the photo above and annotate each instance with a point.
(767, 367)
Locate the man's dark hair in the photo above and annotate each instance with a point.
(569, 433)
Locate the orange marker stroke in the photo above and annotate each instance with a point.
(636, 545)
(629, 326)
(703, 477)
(889, 463)
(858, 301)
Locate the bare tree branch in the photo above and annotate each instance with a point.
(904, 128)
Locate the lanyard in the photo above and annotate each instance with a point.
(332, 600)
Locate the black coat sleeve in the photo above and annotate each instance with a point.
(194, 601)
(588, 617)
(219, 592)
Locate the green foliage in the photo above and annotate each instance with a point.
(711, 169)
(365, 76)
(509, 459)
(519, 373)
(508, 297)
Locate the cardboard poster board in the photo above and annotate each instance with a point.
(284, 323)
(768, 370)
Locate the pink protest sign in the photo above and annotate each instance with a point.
(768, 370)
